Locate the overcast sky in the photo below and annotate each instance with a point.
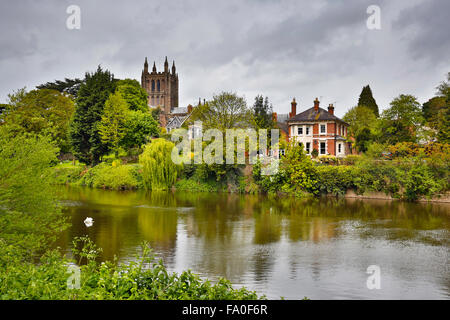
(281, 49)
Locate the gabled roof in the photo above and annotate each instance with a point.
(176, 122)
(311, 115)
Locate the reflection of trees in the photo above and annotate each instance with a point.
(230, 234)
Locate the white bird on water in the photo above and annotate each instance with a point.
(88, 222)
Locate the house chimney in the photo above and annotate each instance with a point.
(293, 112)
(189, 108)
(330, 108)
(316, 105)
(274, 116)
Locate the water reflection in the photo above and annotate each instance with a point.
(281, 246)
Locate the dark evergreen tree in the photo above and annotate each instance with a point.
(262, 112)
(70, 86)
(363, 139)
(366, 99)
(84, 132)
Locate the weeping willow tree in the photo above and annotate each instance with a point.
(159, 171)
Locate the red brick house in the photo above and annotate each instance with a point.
(319, 129)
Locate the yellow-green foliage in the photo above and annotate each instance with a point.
(159, 172)
(117, 177)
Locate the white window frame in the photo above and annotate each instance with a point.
(320, 148)
(320, 128)
(308, 131)
(299, 128)
(308, 150)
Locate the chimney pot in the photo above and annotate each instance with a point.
(293, 112)
(316, 105)
(330, 108)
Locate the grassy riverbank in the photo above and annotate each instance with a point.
(409, 179)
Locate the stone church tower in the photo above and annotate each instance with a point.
(162, 89)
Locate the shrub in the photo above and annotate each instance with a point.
(116, 177)
(194, 185)
(299, 169)
(145, 278)
(420, 182)
(334, 179)
(68, 174)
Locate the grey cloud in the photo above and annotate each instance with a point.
(425, 29)
(277, 48)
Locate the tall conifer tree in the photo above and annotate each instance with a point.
(84, 130)
(366, 99)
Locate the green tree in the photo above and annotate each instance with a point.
(44, 111)
(159, 172)
(366, 99)
(299, 169)
(262, 113)
(402, 121)
(85, 138)
(70, 86)
(133, 94)
(363, 139)
(139, 128)
(225, 111)
(432, 110)
(30, 216)
(111, 126)
(155, 113)
(358, 118)
(444, 114)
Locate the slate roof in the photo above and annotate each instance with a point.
(283, 126)
(311, 115)
(176, 122)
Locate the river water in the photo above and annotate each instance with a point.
(278, 246)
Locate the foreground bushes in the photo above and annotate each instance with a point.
(144, 279)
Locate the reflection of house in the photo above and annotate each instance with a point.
(319, 129)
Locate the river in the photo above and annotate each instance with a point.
(278, 246)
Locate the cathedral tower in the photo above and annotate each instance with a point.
(162, 88)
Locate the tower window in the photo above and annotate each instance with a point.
(158, 86)
(153, 85)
